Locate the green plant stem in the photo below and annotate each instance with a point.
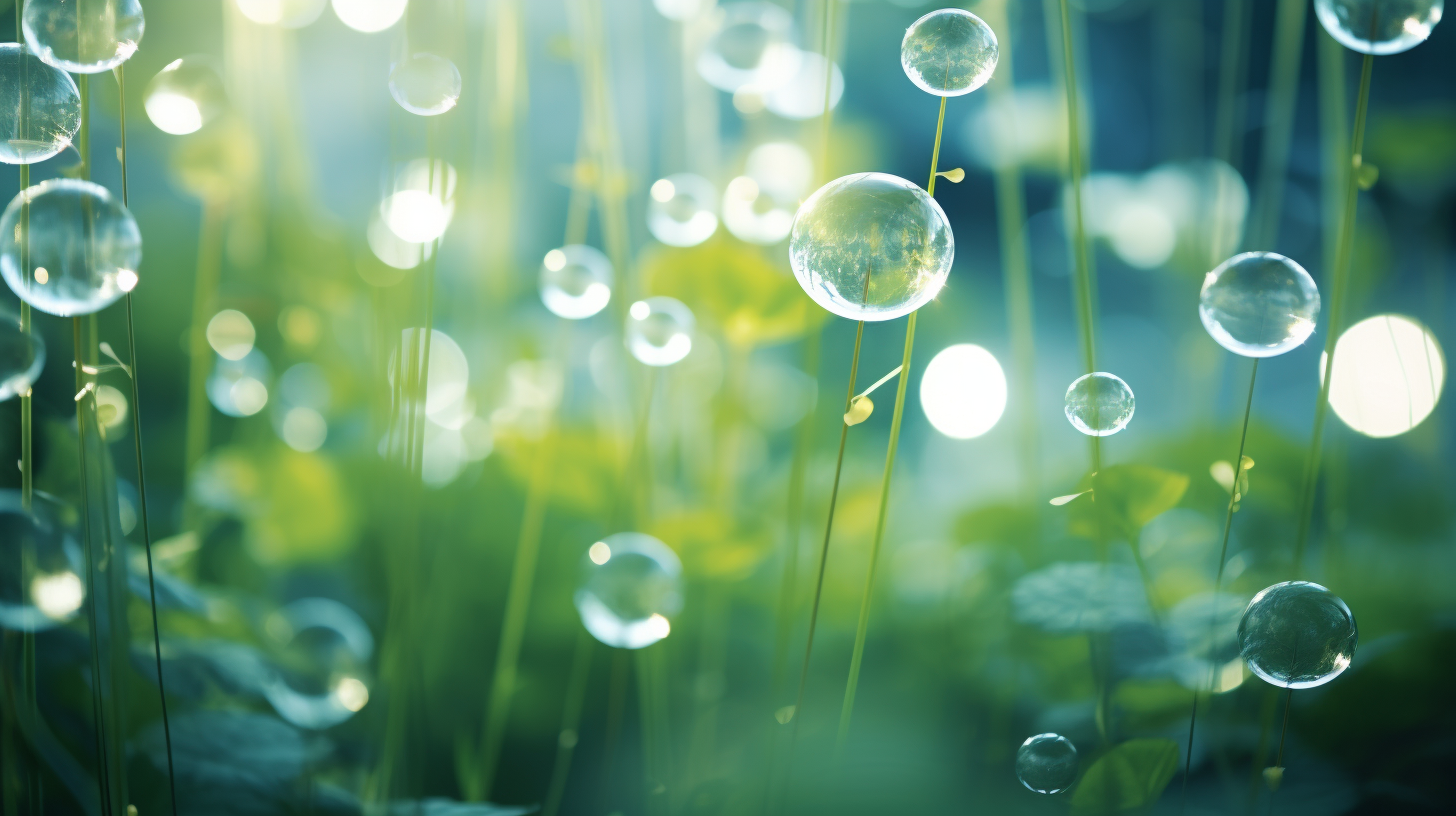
(136, 431)
(1338, 292)
(862, 629)
(1228, 122)
(1288, 49)
(826, 120)
(98, 707)
(794, 513)
(1083, 284)
(204, 296)
(1228, 522)
(569, 735)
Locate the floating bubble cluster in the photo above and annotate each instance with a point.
(753, 47)
(1099, 404)
(40, 582)
(185, 96)
(81, 248)
(84, 36)
(680, 210)
(1297, 635)
(1046, 763)
(1379, 26)
(40, 107)
(576, 281)
(1259, 304)
(425, 84)
(631, 587)
(659, 331)
(871, 246)
(22, 356)
(949, 52)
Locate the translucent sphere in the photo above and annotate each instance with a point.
(425, 84)
(659, 331)
(185, 95)
(871, 247)
(1297, 635)
(40, 108)
(631, 586)
(576, 281)
(949, 52)
(680, 210)
(1099, 404)
(1259, 304)
(753, 47)
(40, 565)
(22, 356)
(319, 678)
(756, 215)
(1046, 763)
(1379, 26)
(81, 248)
(84, 36)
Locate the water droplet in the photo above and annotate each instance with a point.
(1046, 763)
(1259, 304)
(324, 649)
(949, 52)
(105, 36)
(659, 331)
(875, 228)
(50, 99)
(1379, 26)
(425, 84)
(1297, 634)
(576, 281)
(1099, 404)
(626, 600)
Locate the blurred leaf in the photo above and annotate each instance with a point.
(860, 409)
(307, 514)
(1129, 776)
(736, 288)
(1080, 597)
(1133, 495)
(1416, 148)
(710, 544)
(1007, 524)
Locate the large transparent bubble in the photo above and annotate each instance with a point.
(40, 107)
(1046, 763)
(40, 564)
(185, 95)
(576, 281)
(1379, 26)
(1259, 304)
(949, 52)
(1297, 635)
(84, 36)
(871, 246)
(22, 356)
(631, 587)
(68, 248)
(659, 331)
(1099, 404)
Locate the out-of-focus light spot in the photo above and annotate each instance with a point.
(111, 407)
(640, 310)
(1388, 375)
(748, 101)
(351, 691)
(781, 169)
(479, 439)
(300, 326)
(1142, 234)
(41, 275)
(249, 396)
(304, 429)
(174, 113)
(369, 16)
(415, 215)
(231, 334)
(963, 391)
(286, 13)
(663, 190)
(126, 280)
(57, 596)
(801, 96)
(393, 250)
(680, 9)
(555, 260)
(599, 553)
(238, 387)
(658, 627)
(1230, 676)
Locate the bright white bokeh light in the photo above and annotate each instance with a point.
(415, 216)
(1142, 234)
(1388, 375)
(447, 383)
(369, 16)
(304, 429)
(286, 13)
(963, 391)
(802, 95)
(231, 334)
(57, 596)
(780, 168)
(174, 113)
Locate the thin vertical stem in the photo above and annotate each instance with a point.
(568, 737)
(199, 417)
(1226, 137)
(1338, 293)
(103, 765)
(1279, 109)
(1082, 279)
(1228, 521)
(1284, 729)
(136, 430)
(826, 120)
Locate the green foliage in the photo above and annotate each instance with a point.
(1130, 496)
(1132, 775)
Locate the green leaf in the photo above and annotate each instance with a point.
(1129, 776)
(1134, 495)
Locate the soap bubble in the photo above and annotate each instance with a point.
(185, 95)
(753, 46)
(81, 247)
(576, 281)
(239, 388)
(22, 356)
(1259, 304)
(949, 52)
(680, 210)
(40, 107)
(1099, 404)
(963, 391)
(659, 331)
(1379, 26)
(1387, 377)
(84, 36)
(755, 215)
(40, 564)
(631, 586)
(285, 13)
(1046, 763)
(875, 228)
(1297, 634)
(323, 649)
(425, 84)
(369, 16)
